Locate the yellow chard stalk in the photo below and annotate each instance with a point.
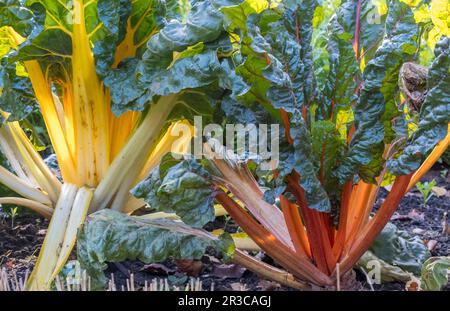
(100, 155)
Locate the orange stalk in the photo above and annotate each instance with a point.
(356, 43)
(319, 241)
(287, 126)
(437, 152)
(377, 223)
(342, 229)
(292, 225)
(327, 223)
(299, 266)
(301, 229)
(358, 203)
(369, 206)
(305, 114)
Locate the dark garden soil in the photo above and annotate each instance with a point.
(20, 244)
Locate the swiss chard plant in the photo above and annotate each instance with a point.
(337, 84)
(112, 80)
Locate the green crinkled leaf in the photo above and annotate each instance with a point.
(187, 73)
(240, 113)
(110, 236)
(204, 24)
(114, 16)
(177, 9)
(285, 71)
(109, 25)
(129, 23)
(49, 45)
(435, 273)
(341, 82)
(316, 195)
(12, 13)
(50, 41)
(389, 273)
(236, 12)
(181, 189)
(328, 148)
(374, 110)
(126, 91)
(434, 115)
(193, 78)
(275, 70)
(249, 64)
(398, 248)
(145, 19)
(299, 22)
(16, 92)
(191, 104)
(162, 71)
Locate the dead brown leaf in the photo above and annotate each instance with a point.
(267, 285)
(228, 271)
(439, 191)
(413, 285)
(239, 287)
(431, 245)
(416, 216)
(190, 267)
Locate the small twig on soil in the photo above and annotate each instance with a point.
(338, 277)
(267, 271)
(445, 227)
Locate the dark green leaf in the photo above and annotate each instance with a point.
(183, 189)
(434, 115)
(400, 249)
(375, 109)
(110, 236)
(17, 96)
(12, 13)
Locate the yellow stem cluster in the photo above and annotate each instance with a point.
(100, 156)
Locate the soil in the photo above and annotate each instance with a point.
(20, 244)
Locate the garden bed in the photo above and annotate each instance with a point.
(20, 244)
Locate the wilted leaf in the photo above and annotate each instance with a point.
(431, 245)
(416, 216)
(435, 273)
(439, 191)
(389, 273)
(266, 285)
(398, 248)
(228, 271)
(110, 236)
(190, 267)
(239, 287)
